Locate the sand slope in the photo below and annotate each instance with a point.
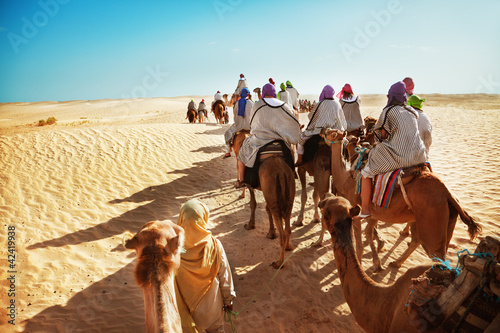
(72, 190)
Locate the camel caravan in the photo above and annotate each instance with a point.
(364, 170)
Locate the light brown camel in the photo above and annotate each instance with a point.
(239, 137)
(192, 115)
(201, 116)
(258, 92)
(277, 183)
(158, 247)
(435, 209)
(377, 308)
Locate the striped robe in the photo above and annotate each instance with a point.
(294, 97)
(270, 120)
(352, 113)
(327, 113)
(402, 148)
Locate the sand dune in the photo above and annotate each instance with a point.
(74, 188)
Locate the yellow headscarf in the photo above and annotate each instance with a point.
(200, 263)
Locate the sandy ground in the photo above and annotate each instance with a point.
(71, 190)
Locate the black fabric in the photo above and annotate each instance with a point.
(252, 174)
(311, 148)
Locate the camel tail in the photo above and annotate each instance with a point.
(473, 227)
(282, 195)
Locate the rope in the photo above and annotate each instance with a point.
(362, 152)
(229, 314)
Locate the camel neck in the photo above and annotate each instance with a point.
(160, 306)
(342, 180)
(360, 292)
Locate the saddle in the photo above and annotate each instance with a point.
(231, 141)
(274, 148)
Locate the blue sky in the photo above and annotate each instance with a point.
(73, 49)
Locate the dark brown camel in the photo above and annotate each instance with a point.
(192, 115)
(434, 208)
(277, 183)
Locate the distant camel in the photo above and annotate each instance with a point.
(158, 247)
(277, 183)
(258, 92)
(377, 308)
(434, 209)
(192, 115)
(219, 109)
(202, 115)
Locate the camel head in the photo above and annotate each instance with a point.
(337, 213)
(370, 123)
(158, 245)
(256, 90)
(332, 135)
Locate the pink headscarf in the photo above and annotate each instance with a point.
(408, 81)
(347, 88)
(327, 92)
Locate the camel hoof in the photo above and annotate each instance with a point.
(315, 221)
(297, 223)
(289, 248)
(395, 264)
(378, 268)
(276, 265)
(242, 196)
(249, 226)
(404, 233)
(380, 247)
(271, 235)
(318, 244)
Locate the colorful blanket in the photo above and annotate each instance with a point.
(384, 187)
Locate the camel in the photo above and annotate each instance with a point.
(370, 124)
(277, 183)
(434, 209)
(239, 137)
(319, 168)
(375, 306)
(219, 109)
(192, 115)
(158, 246)
(201, 116)
(258, 92)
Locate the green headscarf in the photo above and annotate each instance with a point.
(415, 101)
(283, 88)
(289, 84)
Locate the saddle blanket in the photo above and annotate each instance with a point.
(384, 187)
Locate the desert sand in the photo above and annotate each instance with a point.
(73, 189)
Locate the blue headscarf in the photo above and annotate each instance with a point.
(242, 103)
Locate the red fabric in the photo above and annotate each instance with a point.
(271, 81)
(242, 76)
(347, 88)
(408, 81)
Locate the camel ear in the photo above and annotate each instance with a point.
(130, 243)
(324, 199)
(175, 244)
(354, 211)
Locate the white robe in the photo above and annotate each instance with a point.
(271, 119)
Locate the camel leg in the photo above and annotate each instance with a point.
(412, 246)
(451, 227)
(369, 231)
(406, 231)
(283, 240)
(380, 239)
(303, 197)
(253, 204)
(288, 233)
(272, 230)
(321, 186)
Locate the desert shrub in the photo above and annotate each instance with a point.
(49, 121)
